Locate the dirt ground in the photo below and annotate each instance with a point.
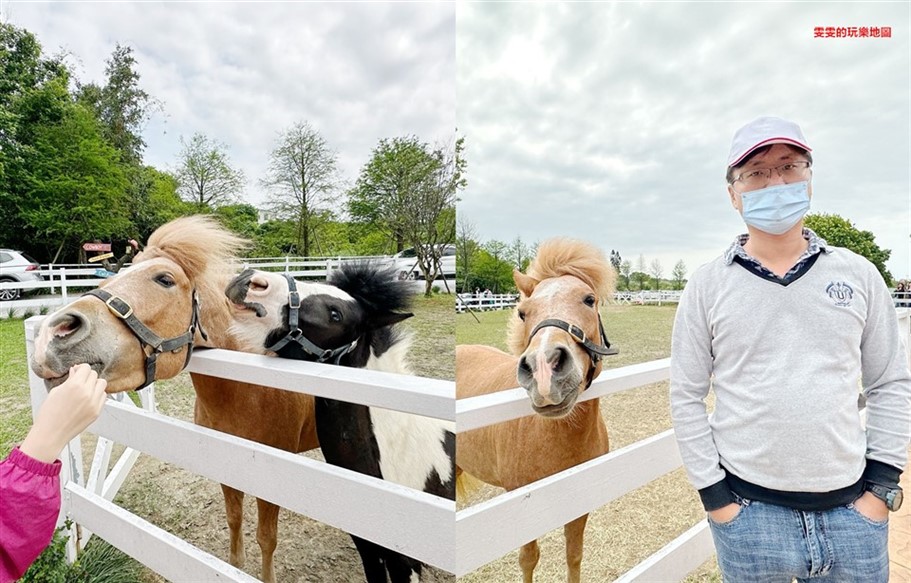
(192, 507)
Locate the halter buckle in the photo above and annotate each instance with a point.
(116, 311)
(294, 300)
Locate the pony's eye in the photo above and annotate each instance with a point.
(165, 280)
(589, 301)
(522, 315)
(335, 315)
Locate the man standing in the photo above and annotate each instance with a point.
(785, 329)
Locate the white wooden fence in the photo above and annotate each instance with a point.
(482, 303)
(648, 297)
(412, 522)
(365, 506)
(64, 283)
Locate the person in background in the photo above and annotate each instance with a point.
(784, 329)
(30, 475)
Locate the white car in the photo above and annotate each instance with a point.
(406, 263)
(16, 266)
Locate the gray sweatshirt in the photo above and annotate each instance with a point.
(786, 364)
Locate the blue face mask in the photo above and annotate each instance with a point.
(776, 209)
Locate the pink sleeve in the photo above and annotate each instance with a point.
(29, 505)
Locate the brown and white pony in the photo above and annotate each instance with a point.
(557, 342)
(190, 255)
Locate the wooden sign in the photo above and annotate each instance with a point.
(97, 246)
(100, 257)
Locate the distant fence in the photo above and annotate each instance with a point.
(482, 303)
(63, 283)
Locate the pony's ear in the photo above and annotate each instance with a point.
(387, 319)
(525, 283)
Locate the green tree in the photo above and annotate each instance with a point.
(641, 275)
(491, 273)
(410, 190)
(204, 174)
(75, 188)
(841, 232)
(656, 271)
(395, 170)
(33, 92)
(519, 253)
(678, 275)
(466, 248)
(153, 200)
(625, 269)
(120, 105)
(242, 219)
(303, 181)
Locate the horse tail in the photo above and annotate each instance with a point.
(466, 484)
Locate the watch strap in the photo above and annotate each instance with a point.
(891, 496)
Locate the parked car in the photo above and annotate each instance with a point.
(406, 263)
(16, 266)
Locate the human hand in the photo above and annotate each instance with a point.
(725, 513)
(68, 409)
(872, 507)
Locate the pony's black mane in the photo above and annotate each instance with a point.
(373, 286)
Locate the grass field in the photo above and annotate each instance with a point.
(624, 532)
(191, 506)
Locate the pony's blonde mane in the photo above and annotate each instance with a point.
(200, 246)
(563, 256)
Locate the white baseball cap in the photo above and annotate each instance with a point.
(765, 131)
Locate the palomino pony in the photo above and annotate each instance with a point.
(115, 331)
(557, 343)
(349, 322)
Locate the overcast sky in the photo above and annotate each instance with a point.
(241, 73)
(612, 122)
(609, 122)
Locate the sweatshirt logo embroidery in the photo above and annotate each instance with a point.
(841, 293)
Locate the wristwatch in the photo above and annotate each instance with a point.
(891, 496)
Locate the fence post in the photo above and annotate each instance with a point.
(287, 264)
(63, 289)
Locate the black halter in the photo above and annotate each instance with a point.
(595, 352)
(295, 334)
(122, 309)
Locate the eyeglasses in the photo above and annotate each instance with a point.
(760, 177)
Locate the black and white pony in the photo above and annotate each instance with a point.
(350, 321)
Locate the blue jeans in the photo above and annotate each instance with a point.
(766, 543)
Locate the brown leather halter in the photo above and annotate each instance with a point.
(595, 352)
(122, 309)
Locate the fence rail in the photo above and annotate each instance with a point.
(63, 283)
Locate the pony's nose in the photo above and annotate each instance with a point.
(68, 328)
(557, 357)
(237, 287)
(526, 371)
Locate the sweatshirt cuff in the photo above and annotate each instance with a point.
(881, 474)
(30, 464)
(716, 496)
